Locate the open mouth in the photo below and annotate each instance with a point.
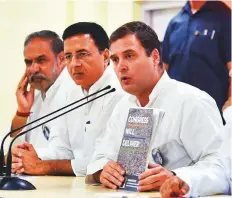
(125, 79)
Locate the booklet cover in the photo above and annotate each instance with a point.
(135, 145)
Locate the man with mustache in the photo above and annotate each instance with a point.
(40, 90)
(87, 58)
(186, 138)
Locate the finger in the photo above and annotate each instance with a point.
(24, 84)
(117, 167)
(164, 188)
(28, 146)
(20, 171)
(185, 188)
(149, 180)
(16, 159)
(169, 193)
(176, 187)
(20, 146)
(153, 165)
(17, 165)
(114, 172)
(111, 179)
(150, 187)
(150, 172)
(17, 152)
(108, 184)
(22, 78)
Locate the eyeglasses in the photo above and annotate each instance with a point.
(82, 56)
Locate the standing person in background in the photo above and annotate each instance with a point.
(197, 48)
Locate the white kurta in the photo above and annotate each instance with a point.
(82, 129)
(187, 136)
(56, 97)
(226, 150)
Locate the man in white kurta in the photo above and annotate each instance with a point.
(226, 150)
(49, 82)
(175, 187)
(78, 132)
(55, 98)
(187, 137)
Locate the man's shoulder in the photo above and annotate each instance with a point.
(219, 6)
(186, 92)
(177, 19)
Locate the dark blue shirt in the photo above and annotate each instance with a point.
(197, 48)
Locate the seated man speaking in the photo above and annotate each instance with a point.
(186, 138)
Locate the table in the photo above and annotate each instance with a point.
(68, 187)
(65, 187)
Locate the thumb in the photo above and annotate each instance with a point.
(183, 191)
(153, 165)
(20, 146)
(185, 188)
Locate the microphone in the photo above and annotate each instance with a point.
(3, 141)
(15, 183)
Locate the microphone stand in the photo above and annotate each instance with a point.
(3, 141)
(15, 183)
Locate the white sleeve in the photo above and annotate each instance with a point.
(226, 150)
(199, 135)
(109, 147)
(59, 144)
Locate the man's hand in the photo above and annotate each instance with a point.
(174, 187)
(16, 159)
(25, 98)
(112, 175)
(25, 160)
(153, 178)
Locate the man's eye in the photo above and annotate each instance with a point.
(28, 64)
(41, 60)
(115, 60)
(68, 57)
(82, 54)
(129, 56)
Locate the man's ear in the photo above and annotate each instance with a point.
(60, 61)
(106, 56)
(155, 57)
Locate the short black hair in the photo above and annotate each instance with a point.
(56, 43)
(96, 31)
(144, 33)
